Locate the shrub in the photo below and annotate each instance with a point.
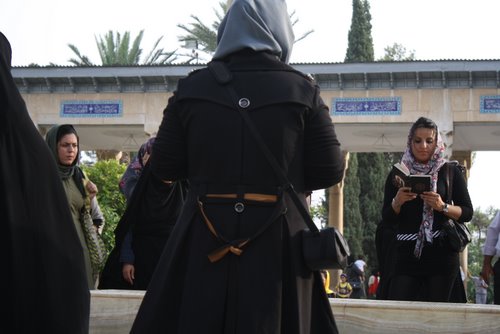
(106, 175)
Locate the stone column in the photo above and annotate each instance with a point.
(444, 121)
(336, 214)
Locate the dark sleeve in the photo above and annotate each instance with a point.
(460, 195)
(168, 158)
(324, 161)
(126, 252)
(390, 191)
(128, 182)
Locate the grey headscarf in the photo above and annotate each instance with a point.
(260, 25)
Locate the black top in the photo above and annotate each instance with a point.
(43, 274)
(436, 257)
(284, 105)
(150, 216)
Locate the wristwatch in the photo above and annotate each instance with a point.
(445, 208)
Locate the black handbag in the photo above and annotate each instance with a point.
(457, 235)
(324, 249)
(321, 249)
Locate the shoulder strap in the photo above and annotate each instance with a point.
(223, 76)
(86, 196)
(450, 173)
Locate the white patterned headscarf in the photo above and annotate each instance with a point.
(431, 168)
(259, 25)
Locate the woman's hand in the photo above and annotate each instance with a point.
(91, 189)
(128, 273)
(433, 200)
(403, 195)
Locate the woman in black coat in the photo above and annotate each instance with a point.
(43, 271)
(233, 263)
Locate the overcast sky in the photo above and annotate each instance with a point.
(436, 29)
(39, 31)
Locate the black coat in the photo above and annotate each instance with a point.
(43, 273)
(150, 216)
(266, 289)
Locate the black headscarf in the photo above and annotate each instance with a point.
(53, 137)
(43, 272)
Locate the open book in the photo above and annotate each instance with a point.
(403, 178)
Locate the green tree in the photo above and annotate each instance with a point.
(360, 41)
(364, 183)
(397, 52)
(353, 230)
(205, 36)
(360, 210)
(372, 173)
(320, 212)
(478, 227)
(115, 49)
(106, 175)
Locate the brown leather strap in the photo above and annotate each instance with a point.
(236, 246)
(248, 196)
(219, 253)
(233, 247)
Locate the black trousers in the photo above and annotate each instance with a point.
(435, 288)
(496, 283)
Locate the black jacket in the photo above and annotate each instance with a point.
(266, 289)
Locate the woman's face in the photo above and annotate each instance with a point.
(67, 149)
(423, 144)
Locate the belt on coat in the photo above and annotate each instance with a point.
(236, 246)
(266, 198)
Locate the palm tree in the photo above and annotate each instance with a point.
(205, 37)
(116, 50)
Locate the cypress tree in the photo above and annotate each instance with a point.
(353, 231)
(360, 41)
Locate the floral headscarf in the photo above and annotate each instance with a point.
(431, 168)
(134, 169)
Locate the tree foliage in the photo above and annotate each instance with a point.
(397, 52)
(106, 175)
(371, 175)
(478, 227)
(353, 231)
(360, 41)
(118, 49)
(205, 36)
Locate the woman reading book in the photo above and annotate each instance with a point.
(425, 266)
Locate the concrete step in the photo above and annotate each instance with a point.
(113, 311)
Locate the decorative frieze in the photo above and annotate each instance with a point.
(366, 106)
(490, 104)
(100, 108)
